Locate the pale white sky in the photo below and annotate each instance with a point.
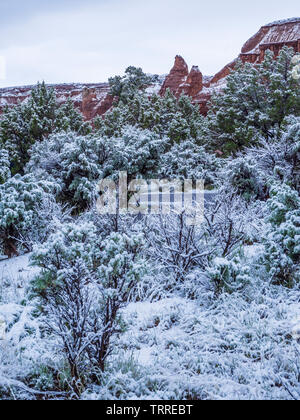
(91, 40)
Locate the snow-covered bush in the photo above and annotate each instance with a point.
(20, 198)
(228, 220)
(84, 281)
(136, 151)
(68, 118)
(282, 242)
(279, 160)
(187, 160)
(74, 162)
(167, 116)
(176, 246)
(23, 125)
(292, 139)
(124, 88)
(4, 166)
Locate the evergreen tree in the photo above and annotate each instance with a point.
(187, 160)
(23, 125)
(74, 162)
(124, 88)
(177, 119)
(243, 178)
(15, 135)
(41, 108)
(279, 160)
(136, 151)
(68, 118)
(282, 241)
(19, 209)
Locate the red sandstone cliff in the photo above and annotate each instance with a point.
(93, 99)
(90, 99)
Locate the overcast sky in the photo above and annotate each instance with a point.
(91, 40)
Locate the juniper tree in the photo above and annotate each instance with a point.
(178, 120)
(68, 118)
(279, 160)
(124, 88)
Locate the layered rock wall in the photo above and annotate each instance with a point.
(273, 36)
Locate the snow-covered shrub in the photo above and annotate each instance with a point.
(20, 198)
(291, 153)
(282, 241)
(176, 246)
(228, 276)
(68, 118)
(227, 219)
(124, 88)
(4, 166)
(84, 281)
(279, 160)
(74, 162)
(28, 122)
(254, 103)
(187, 160)
(176, 119)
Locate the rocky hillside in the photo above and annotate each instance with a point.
(94, 99)
(90, 99)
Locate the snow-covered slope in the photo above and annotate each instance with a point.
(236, 347)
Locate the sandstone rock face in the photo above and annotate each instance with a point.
(94, 99)
(90, 99)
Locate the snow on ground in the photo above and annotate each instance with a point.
(240, 346)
